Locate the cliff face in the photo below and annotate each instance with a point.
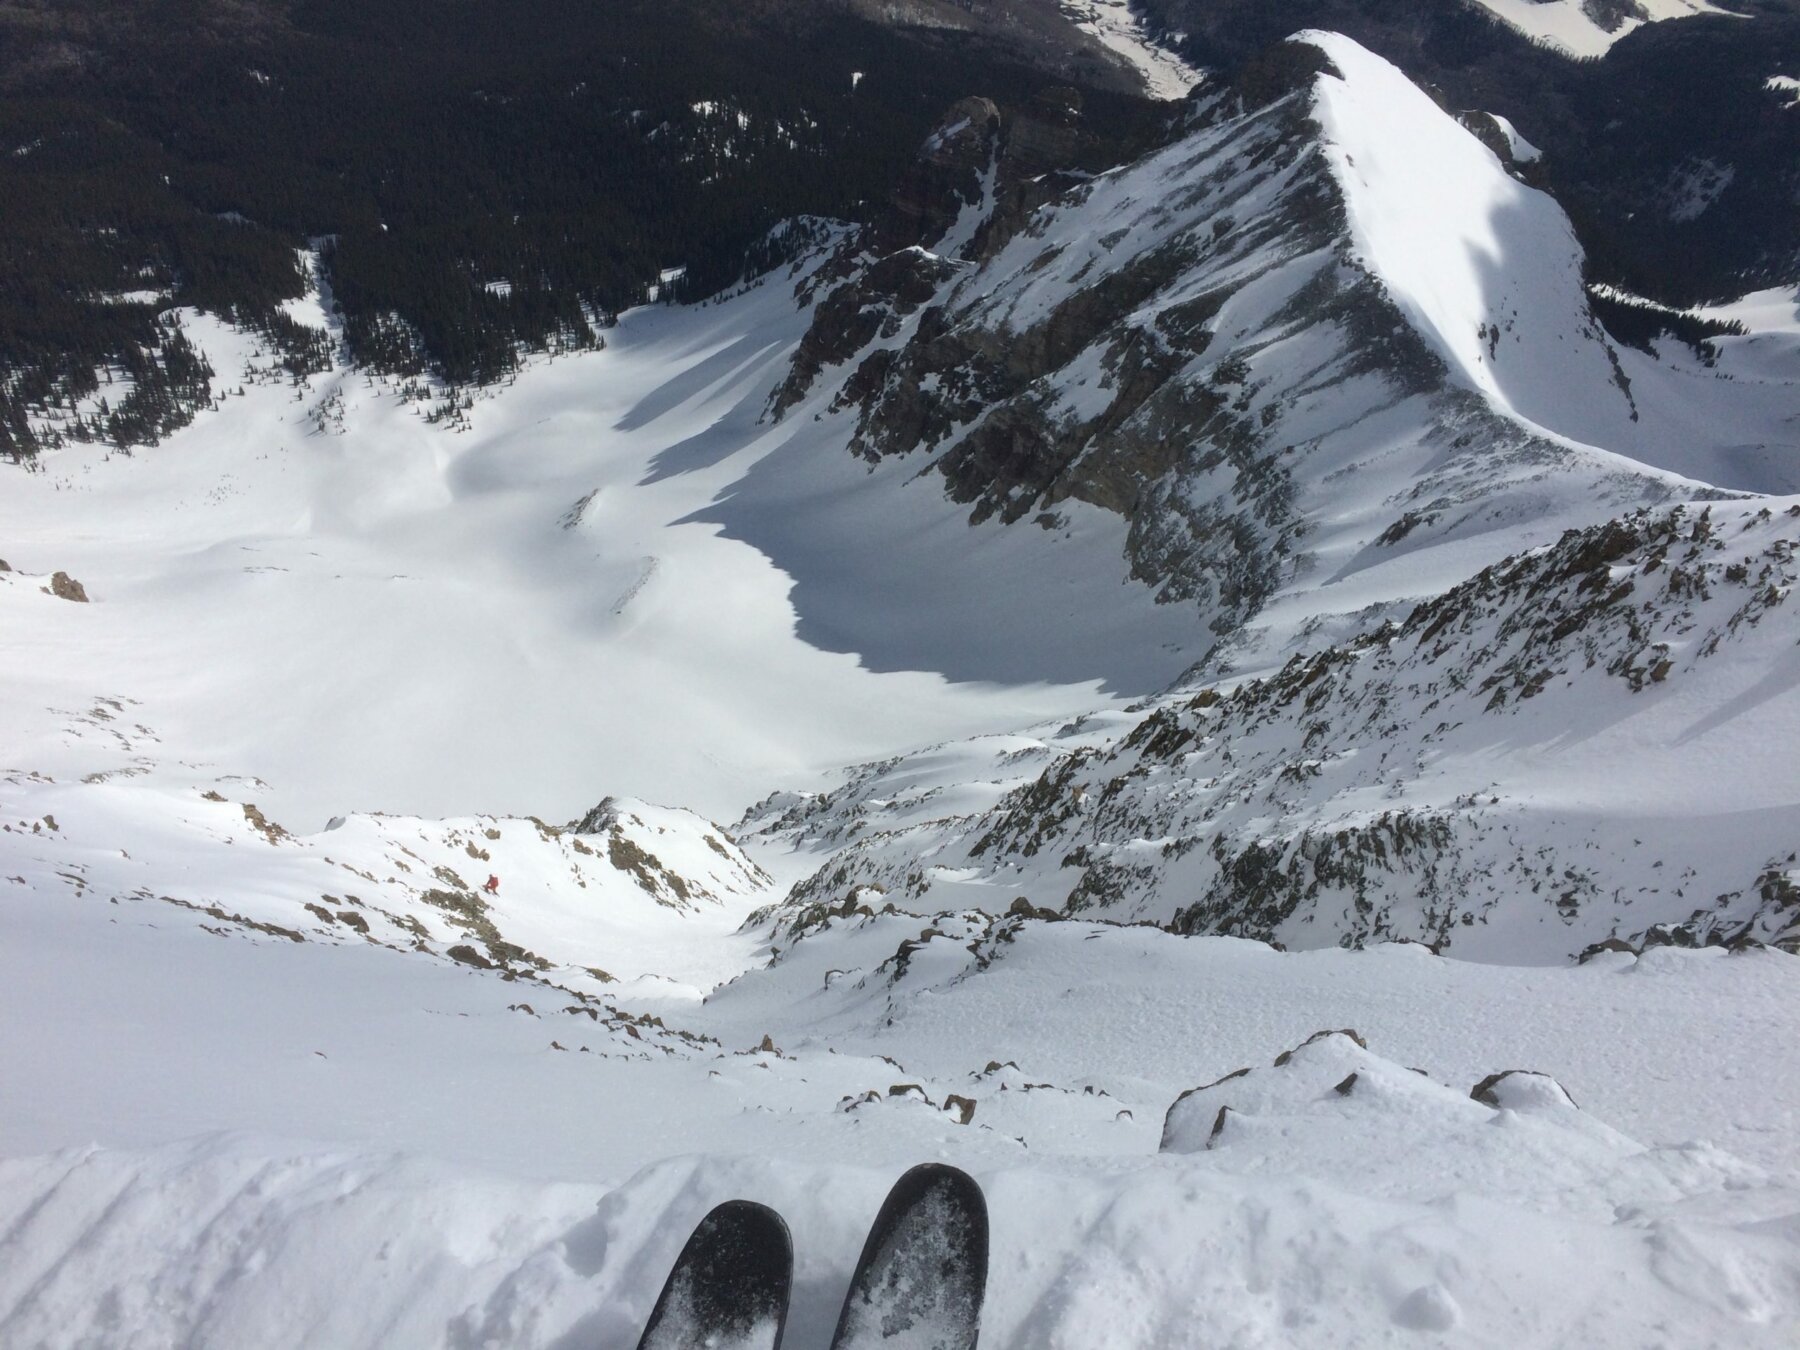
(1200, 341)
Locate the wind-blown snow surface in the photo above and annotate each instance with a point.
(1461, 244)
(315, 1085)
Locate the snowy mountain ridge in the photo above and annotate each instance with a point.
(1216, 342)
(628, 884)
(1410, 782)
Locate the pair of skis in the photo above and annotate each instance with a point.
(919, 1283)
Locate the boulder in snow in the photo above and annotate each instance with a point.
(1522, 1090)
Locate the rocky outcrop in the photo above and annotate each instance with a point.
(947, 178)
(1152, 341)
(1360, 794)
(1511, 1089)
(1074, 363)
(676, 858)
(976, 180)
(859, 313)
(1333, 1085)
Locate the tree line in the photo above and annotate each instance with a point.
(488, 179)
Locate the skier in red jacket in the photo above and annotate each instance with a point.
(493, 885)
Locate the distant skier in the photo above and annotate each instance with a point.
(493, 885)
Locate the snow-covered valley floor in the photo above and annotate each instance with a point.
(277, 1068)
(542, 620)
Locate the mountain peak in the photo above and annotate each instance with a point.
(1486, 269)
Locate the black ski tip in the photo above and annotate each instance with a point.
(730, 1285)
(922, 1276)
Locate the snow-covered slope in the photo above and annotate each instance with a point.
(1115, 25)
(627, 893)
(559, 1184)
(1241, 346)
(1330, 358)
(1486, 269)
(1489, 272)
(1589, 27)
(1183, 342)
(1574, 746)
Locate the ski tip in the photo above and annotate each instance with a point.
(729, 1286)
(916, 1182)
(922, 1276)
(750, 1219)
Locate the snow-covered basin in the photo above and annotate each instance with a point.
(304, 1144)
(521, 616)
